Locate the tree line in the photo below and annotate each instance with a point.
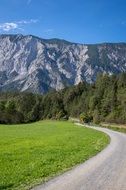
(104, 100)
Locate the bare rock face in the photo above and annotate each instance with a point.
(28, 63)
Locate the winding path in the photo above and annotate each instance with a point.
(105, 171)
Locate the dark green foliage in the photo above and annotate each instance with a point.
(86, 117)
(10, 107)
(105, 100)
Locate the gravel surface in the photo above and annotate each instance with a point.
(105, 171)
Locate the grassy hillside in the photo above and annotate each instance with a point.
(32, 153)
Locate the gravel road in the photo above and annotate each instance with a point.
(105, 171)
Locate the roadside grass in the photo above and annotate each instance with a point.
(33, 153)
(115, 127)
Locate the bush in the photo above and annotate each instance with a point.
(86, 118)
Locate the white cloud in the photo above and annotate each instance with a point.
(8, 26)
(17, 25)
(27, 21)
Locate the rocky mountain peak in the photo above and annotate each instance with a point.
(29, 63)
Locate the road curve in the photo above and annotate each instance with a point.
(105, 171)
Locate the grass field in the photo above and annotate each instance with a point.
(32, 153)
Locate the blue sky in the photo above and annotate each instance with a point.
(83, 21)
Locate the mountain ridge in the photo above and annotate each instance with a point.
(60, 39)
(30, 63)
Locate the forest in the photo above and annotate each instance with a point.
(102, 101)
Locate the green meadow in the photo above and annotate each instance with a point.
(33, 153)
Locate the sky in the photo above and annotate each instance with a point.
(81, 21)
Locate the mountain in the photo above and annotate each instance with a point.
(29, 63)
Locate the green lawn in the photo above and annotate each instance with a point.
(32, 153)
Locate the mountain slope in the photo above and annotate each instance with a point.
(29, 63)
